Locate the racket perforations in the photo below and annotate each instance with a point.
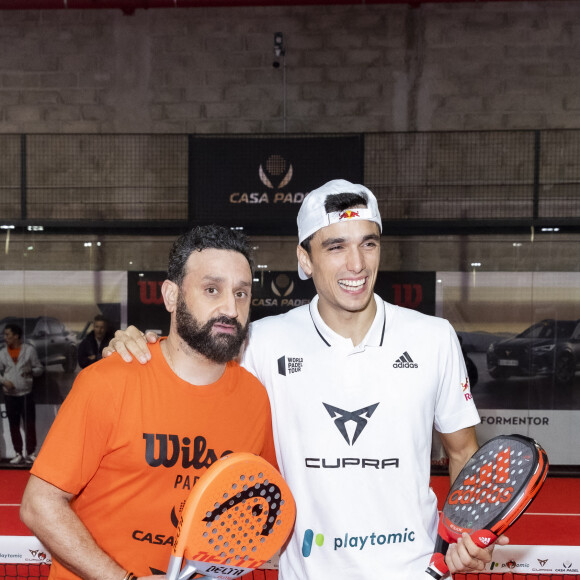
(239, 514)
(491, 492)
(487, 485)
(247, 512)
(493, 476)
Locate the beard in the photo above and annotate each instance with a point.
(219, 348)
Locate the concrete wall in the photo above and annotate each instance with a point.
(488, 65)
(458, 66)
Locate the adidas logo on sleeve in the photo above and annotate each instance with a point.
(405, 362)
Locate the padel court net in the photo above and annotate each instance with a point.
(24, 557)
(25, 571)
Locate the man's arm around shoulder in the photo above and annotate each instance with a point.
(46, 511)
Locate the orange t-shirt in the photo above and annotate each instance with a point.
(14, 353)
(130, 442)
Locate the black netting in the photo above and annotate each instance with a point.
(431, 177)
(106, 177)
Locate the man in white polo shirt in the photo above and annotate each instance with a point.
(356, 386)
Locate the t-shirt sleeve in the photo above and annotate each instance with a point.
(455, 408)
(248, 362)
(79, 436)
(268, 450)
(248, 359)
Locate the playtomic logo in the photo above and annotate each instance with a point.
(309, 538)
(355, 542)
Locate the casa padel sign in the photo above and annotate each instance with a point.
(259, 183)
(275, 293)
(278, 292)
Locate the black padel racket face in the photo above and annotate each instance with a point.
(238, 515)
(491, 492)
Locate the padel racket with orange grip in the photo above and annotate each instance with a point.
(493, 489)
(238, 515)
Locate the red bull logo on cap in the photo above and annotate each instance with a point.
(348, 214)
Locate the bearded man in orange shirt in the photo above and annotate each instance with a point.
(130, 441)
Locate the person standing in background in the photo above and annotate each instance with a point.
(18, 365)
(91, 347)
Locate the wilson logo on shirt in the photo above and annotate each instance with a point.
(167, 450)
(405, 362)
(289, 365)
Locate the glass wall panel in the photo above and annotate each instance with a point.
(513, 299)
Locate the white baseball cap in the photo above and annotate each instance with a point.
(312, 215)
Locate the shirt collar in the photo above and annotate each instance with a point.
(374, 336)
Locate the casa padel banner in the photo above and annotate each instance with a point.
(275, 293)
(278, 292)
(259, 183)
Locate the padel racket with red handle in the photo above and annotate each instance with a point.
(238, 515)
(493, 489)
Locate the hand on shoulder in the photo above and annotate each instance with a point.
(131, 343)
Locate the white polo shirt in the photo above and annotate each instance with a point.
(353, 427)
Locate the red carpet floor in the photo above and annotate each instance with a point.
(553, 519)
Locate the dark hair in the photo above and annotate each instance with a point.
(100, 318)
(15, 329)
(204, 238)
(339, 202)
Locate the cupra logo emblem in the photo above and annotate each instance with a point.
(275, 167)
(360, 417)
